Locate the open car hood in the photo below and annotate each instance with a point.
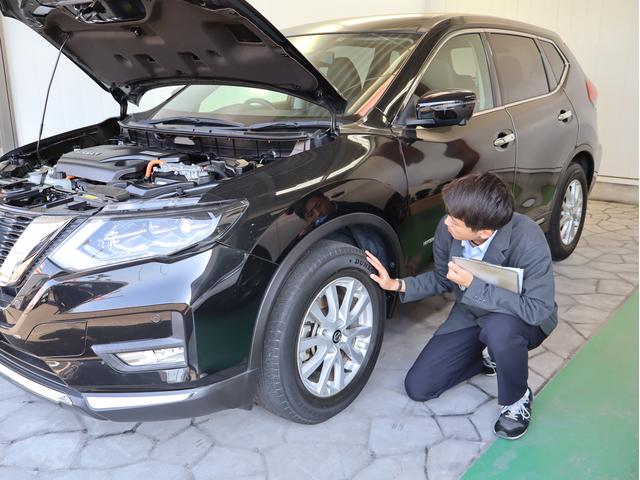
(131, 46)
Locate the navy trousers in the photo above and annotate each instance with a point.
(451, 358)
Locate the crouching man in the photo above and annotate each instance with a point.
(481, 224)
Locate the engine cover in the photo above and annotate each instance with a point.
(108, 163)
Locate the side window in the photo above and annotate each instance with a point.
(520, 69)
(556, 61)
(460, 63)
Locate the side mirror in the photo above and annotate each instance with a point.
(442, 108)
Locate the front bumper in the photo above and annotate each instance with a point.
(234, 392)
(51, 331)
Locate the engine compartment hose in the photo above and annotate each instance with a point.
(150, 166)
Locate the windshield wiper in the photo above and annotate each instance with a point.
(197, 121)
(293, 124)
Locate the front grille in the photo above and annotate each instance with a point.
(27, 364)
(11, 227)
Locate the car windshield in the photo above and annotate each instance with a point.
(357, 64)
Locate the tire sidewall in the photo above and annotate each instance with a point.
(349, 264)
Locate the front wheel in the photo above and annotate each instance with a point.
(568, 215)
(323, 336)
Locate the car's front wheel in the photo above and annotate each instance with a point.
(323, 336)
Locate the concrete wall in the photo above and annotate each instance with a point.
(602, 35)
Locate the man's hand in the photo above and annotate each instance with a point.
(459, 275)
(382, 279)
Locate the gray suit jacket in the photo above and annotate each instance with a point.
(521, 244)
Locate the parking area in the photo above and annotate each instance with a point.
(382, 435)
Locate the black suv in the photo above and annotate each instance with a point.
(208, 252)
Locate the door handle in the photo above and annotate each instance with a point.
(565, 115)
(502, 141)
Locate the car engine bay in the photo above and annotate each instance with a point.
(84, 173)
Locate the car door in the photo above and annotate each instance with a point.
(543, 118)
(435, 156)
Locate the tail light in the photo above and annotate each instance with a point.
(592, 91)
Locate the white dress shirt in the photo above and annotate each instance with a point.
(476, 252)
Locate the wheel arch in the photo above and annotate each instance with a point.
(583, 156)
(376, 224)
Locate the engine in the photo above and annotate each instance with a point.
(125, 165)
(114, 173)
(91, 169)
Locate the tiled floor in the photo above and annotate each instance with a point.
(382, 435)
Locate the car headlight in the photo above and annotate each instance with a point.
(121, 236)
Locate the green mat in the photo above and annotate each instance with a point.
(585, 420)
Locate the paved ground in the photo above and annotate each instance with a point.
(382, 435)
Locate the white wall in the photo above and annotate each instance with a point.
(74, 100)
(7, 137)
(287, 13)
(602, 35)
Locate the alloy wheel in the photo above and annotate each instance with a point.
(334, 337)
(571, 214)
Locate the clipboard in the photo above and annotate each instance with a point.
(509, 278)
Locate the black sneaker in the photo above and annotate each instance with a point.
(514, 419)
(488, 366)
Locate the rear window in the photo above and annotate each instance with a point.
(556, 61)
(520, 69)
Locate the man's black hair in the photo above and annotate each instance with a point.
(300, 206)
(481, 201)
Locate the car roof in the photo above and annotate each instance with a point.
(413, 23)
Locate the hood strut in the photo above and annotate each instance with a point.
(334, 123)
(46, 100)
(121, 98)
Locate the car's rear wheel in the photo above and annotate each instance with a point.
(568, 215)
(323, 336)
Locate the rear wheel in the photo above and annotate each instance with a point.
(568, 215)
(323, 336)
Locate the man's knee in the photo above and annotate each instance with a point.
(419, 387)
(500, 331)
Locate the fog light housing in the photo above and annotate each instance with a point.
(144, 355)
(155, 357)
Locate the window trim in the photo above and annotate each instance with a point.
(492, 68)
(546, 57)
(543, 62)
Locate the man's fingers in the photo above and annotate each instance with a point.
(453, 275)
(376, 278)
(459, 271)
(371, 257)
(375, 262)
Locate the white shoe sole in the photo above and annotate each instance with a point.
(499, 435)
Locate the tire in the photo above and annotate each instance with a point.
(287, 383)
(568, 214)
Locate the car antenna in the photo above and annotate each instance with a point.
(46, 100)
